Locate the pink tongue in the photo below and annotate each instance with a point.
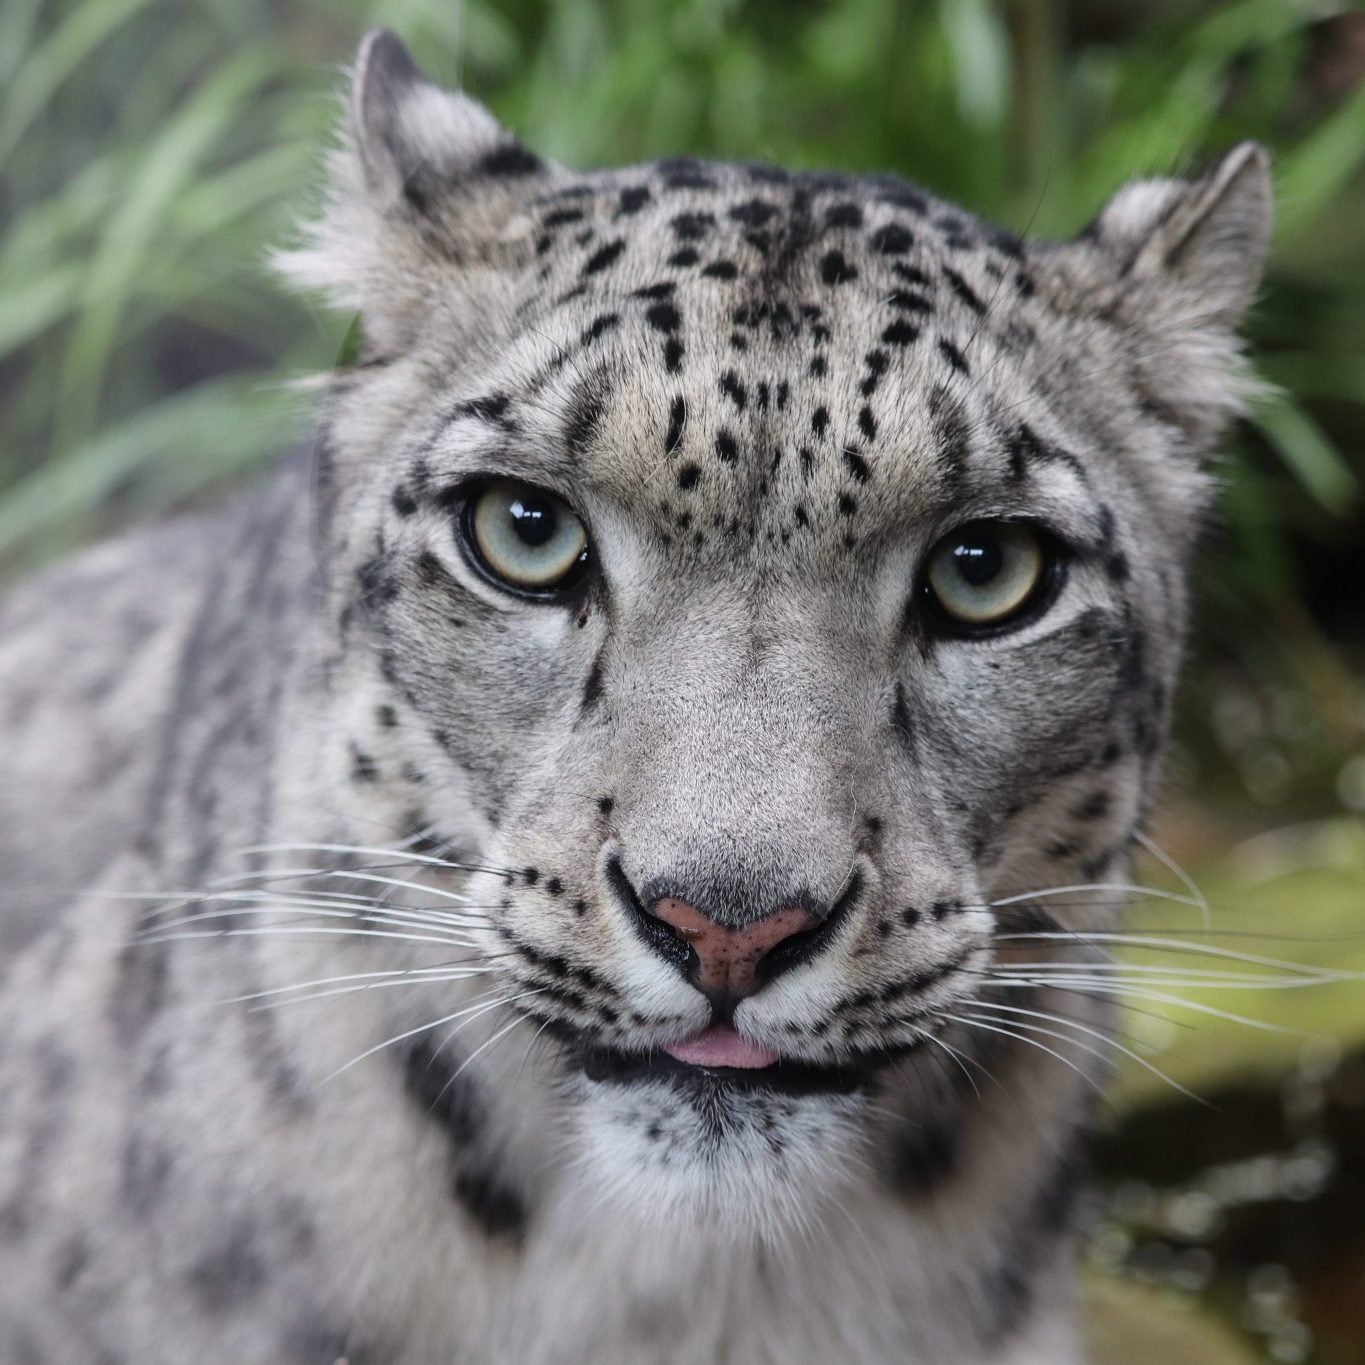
(720, 1045)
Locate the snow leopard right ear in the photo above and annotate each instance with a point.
(423, 193)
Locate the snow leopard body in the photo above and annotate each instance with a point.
(768, 395)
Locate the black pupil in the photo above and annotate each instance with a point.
(534, 520)
(979, 560)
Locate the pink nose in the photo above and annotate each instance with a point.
(728, 958)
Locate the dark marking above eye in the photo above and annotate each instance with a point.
(633, 199)
(953, 355)
(857, 466)
(1023, 449)
(604, 257)
(891, 240)
(403, 501)
(490, 407)
(835, 268)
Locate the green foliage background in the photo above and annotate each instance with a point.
(152, 150)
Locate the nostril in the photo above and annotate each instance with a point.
(654, 931)
(796, 949)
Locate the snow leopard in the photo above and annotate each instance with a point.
(581, 861)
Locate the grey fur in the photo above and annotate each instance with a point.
(768, 395)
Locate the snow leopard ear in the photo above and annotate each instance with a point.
(423, 197)
(1180, 263)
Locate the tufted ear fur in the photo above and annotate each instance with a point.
(1179, 261)
(423, 193)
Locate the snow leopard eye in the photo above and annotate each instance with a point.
(987, 572)
(524, 537)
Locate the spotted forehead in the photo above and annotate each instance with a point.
(766, 352)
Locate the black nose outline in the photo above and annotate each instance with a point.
(784, 957)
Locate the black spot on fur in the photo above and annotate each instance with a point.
(963, 290)
(663, 317)
(857, 466)
(633, 199)
(835, 268)
(677, 416)
(497, 1208)
(848, 504)
(592, 688)
(867, 424)
(900, 334)
(673, 354)
(605, 804)
(726, 449)
(231, 1273)
(688, 476)
(891, 240)
(584, 418)
(910, 303)
(562, 217)
(510, 160)
(600, 325)
(819, 420)
(403, 501)
(953, 355)
(844, 215)
(687, 256)
(721, 270)
(927, 1158)
(446, 1095)
(692, 227)
(733, 388)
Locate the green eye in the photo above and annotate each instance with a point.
(987, 572)
(526, 537)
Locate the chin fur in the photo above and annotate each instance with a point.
(734, 1163)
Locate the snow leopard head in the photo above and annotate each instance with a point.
(775, 581)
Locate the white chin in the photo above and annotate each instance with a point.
(719, 1160)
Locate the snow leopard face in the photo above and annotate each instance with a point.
(769, 579)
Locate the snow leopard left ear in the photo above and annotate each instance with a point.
(1179, 262)
(423, 196)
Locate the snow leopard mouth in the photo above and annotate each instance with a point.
(781, 1075)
